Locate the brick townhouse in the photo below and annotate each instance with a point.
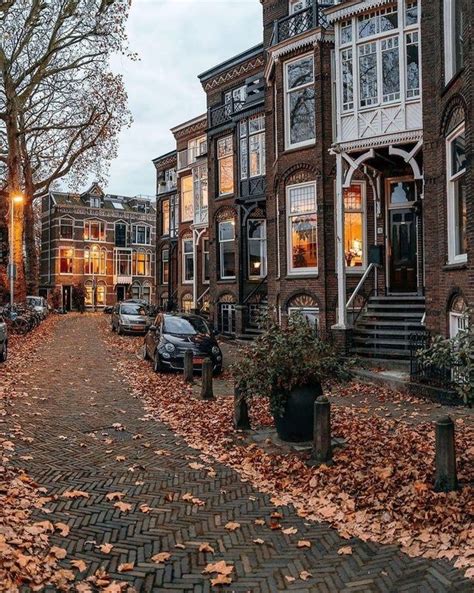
(104, 242)
(237, 216)
(361, 215)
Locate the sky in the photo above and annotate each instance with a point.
(176, 40)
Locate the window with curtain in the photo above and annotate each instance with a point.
(354, 213)
(66, 260)
(225, 159)
(302, 236)
(95, 261)
(165, 217)
(94, 230)
(187, 205)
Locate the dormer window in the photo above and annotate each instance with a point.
(297, 5)
(94, 202)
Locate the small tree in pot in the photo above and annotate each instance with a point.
(288, 366)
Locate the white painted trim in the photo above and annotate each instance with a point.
(287, 92)
(355, 8)
(451, 215)
(289, 268)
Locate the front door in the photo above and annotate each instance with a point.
(66, 298)
(402, 247)
(120, 293)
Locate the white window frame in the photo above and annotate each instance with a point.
(186, 255)
(73, 258)
(245, 143)
(263, 250)
(288, 92)
(164, 261)
(457, 322)
(304, 310)
(221, 243)
(147, 228)
(102, 261)
(453, 258)
(449, 19)
(190, 191)
(204, 252)
(70, 220)
(294, 3)
(289, 255)
(415, 40)
(219, 159)
(87, 223)
(359, 269)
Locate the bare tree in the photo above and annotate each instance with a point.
(61, 108)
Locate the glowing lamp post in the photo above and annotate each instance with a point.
(16, 199)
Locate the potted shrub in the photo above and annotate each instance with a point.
(288, 366)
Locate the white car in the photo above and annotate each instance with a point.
(3, 340)
(39, 304)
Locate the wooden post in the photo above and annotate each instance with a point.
(206, 390)
(445, 457)
(241, 410)
(322, 449)
(188, 374)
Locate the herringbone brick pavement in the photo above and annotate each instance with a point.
(75, 398)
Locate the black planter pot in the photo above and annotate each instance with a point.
(296, 424)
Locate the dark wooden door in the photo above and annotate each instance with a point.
(403, 253)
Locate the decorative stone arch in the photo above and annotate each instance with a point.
(456, 302)
(225, 213)
(454, 114)
(302, 299)
(185, 234)
(226, 297)
(254, 212)
(300, 173)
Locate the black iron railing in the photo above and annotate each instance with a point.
(300, 22)
(444, 376)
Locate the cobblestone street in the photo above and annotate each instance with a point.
(91, 435)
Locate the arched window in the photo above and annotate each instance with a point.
(101, 294)
(187, 303)
(458, 316)
(136, 290)
(307, 306)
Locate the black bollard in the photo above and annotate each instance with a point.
(322, 450)
(188, 366)
(241, 410)
(445, 457)
(206, 390)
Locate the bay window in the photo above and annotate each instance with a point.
(390, 70)
(354, 225)
(374, 23)
(257, 248)
(200, 194)
(188, 261)
(368, 74)
(165, 266)
(123, 262)
(226, 249)
(187, 205)
(457, 189)
(252, 147)
(94, 230)
(302, 240)
(412, 65)
(347, 80)
(225, 159)
(300, 117)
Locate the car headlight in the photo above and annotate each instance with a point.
(169, 347)
(215, 350)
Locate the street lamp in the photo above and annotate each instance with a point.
(16, 199)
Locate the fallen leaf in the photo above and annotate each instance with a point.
(345, 550)
(290, 531)
(105, 548)
(290, 579)
(60, 553)
(75, 494)
(232, 525)
(161, 557)
(123, 507)
(126, 567)
(259, 541)
(303, 543)
(305, 575)
(221, 579)
(219, 567)
(115, 495)
(205, 547)
(79, 564)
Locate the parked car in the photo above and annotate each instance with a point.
(130, 317)
(172, 334)
(39, 304)
(3, 340)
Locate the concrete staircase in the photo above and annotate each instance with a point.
(383, 330)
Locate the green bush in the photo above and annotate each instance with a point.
(453, 353)
(283, 358)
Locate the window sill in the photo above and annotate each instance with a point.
(356, 271)
(226, 280)
(291, 149)
(460, 265)
(302, 276)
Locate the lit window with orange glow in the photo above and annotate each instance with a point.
(302, 229)
(187, 200)
(225, 157)
(354, 243)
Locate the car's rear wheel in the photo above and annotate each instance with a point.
(4, 353)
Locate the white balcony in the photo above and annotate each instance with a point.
(189, 156)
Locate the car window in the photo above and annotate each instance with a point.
(132, 309)
(188, 326)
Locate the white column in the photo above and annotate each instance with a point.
(195, 274)
(340, 258)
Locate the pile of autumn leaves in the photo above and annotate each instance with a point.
(379, 488)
